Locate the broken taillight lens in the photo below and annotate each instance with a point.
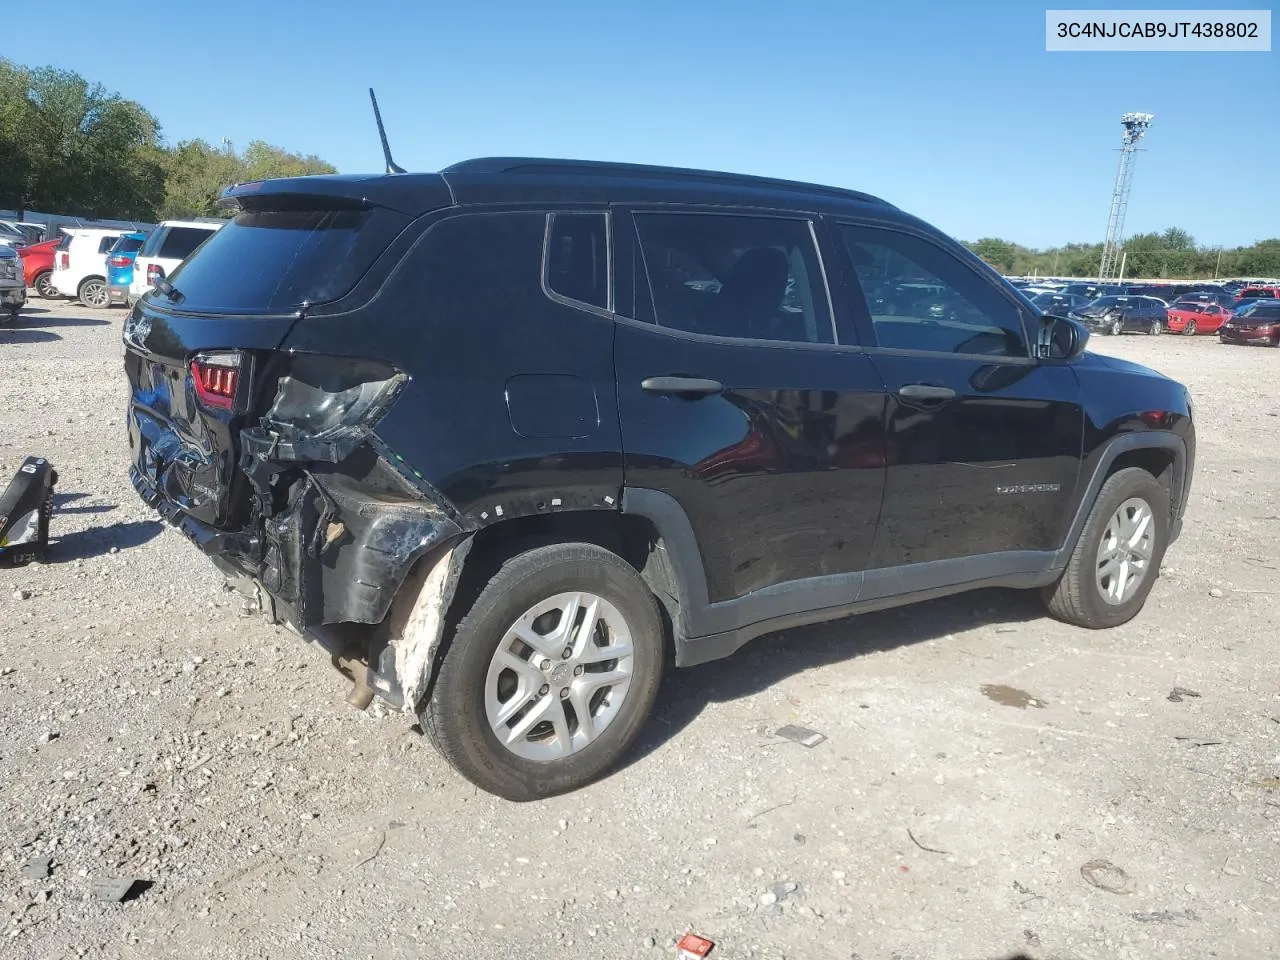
(216, 377)
(327, 398)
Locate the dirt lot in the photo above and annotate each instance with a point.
(149, 731)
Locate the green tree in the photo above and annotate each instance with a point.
(89, 152)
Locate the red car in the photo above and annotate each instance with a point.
(1193, 318)
(1258, 291)
(38, 259)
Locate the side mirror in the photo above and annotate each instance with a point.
(1061, 338)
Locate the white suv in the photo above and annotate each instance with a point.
(80, 264)
(170, 244)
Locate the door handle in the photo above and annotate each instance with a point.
(924, 391)
(678, 385)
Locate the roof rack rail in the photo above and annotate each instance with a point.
(602, 168)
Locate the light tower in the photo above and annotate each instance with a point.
(1135, 128)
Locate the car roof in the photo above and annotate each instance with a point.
(201, 224)
(95, 231)
(524, 179)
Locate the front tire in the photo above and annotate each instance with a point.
(44, 286)
(1117, 327)
(550, 674)
(1117, 558)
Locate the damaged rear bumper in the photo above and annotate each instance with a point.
(335, 558)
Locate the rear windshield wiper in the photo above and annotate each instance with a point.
(168, 290)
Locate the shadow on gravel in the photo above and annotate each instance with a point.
(771, 658)
(57, 321)
(97, 541)
(15, 333)
(60, 501)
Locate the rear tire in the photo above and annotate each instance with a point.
(1157, 328)
(1190, 329)
(463, 713)
(92, 292)
(1080, 597)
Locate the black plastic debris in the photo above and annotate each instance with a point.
(25, 509)
(1177, 693)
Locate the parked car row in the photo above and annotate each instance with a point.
(1252, 315)
(104, 267)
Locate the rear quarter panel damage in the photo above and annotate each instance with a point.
(416, 623)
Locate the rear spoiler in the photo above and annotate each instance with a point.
(408, 193)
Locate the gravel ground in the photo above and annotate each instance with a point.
(980, 760)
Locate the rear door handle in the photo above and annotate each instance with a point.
(677, 385)
(924, 391)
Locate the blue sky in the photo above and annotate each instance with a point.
(953, 111)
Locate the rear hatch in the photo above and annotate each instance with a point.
(200, 350)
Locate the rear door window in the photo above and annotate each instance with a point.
(267, 260)
(735, 275)
(181, 241)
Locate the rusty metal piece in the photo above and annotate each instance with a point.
(356, 670)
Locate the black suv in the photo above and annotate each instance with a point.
(1117, 315)
(498, 438)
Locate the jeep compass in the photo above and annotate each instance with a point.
(508, 438)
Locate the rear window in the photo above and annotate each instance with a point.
(64, 242)
(1260, 293)
(179, 242)
(281, 259)
(127, 245)
(106, 243)
(1264, 312)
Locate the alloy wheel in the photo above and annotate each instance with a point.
(1125, 551)
(94, 294)
(1117, 327)
(559, 676)
(1190, 329)
(44, 286)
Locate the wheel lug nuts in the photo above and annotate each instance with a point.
(564, 693)
(568, 652)
(546, 666)
(577, 671)
(543, 690)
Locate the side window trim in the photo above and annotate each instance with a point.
(1027, 338)
(810, 219)
(606, 311)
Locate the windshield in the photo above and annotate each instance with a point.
(1262, 312)
(1259, 293)
(280, 259)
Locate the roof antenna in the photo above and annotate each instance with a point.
(392, 167)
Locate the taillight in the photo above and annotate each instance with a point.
(64, 261)
(119, 261)
(154, 272)
(216, 377)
